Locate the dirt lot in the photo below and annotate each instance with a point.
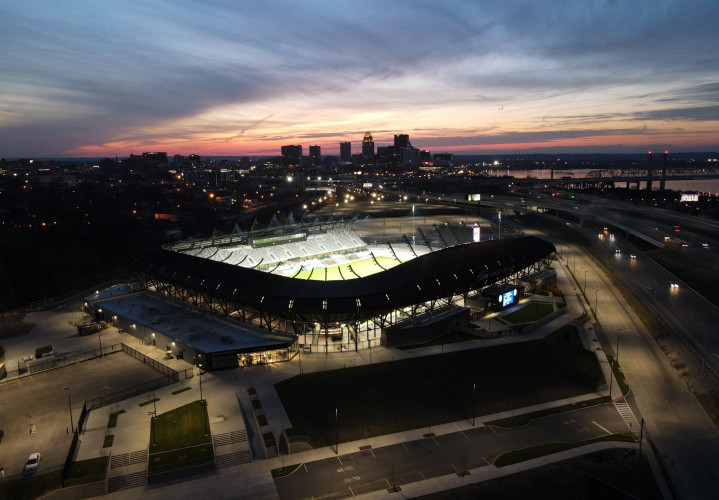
(41, 400)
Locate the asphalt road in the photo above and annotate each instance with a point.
(375, 469)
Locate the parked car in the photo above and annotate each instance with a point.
(33, 462)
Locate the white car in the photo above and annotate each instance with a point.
(33, 462)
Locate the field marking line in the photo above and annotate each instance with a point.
(601, 427)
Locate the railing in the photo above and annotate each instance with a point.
(70, 457)
(83, 418)
(164, 369)
(30, 367)
(130, 392)
(153, 363)
(63, 360)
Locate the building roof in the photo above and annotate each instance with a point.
(435, 275)
(190, 326)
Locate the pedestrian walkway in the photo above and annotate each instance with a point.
(628, 416)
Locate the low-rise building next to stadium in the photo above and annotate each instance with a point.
(274, 285)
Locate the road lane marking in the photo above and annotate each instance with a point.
(435, 441)
(491, 427)
(372, 452)
(486, 461)
(455, 468)
(338, 458)
(465, 436)
(405, 448)
(420, 473)
(305, 466)
(603, 428)
(353, 493)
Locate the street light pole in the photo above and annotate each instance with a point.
(596, 304)
(337, 443)
(474, 402)
(69, 404)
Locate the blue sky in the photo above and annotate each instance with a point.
(90, 78)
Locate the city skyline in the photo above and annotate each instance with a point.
(85, 79)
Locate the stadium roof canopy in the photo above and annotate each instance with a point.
(439, 274)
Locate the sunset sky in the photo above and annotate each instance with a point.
(97, 78)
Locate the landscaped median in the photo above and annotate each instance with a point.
(541, 450)
(181, 440)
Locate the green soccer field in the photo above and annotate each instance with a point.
(361, 269)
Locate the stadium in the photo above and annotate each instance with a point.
(314, 285)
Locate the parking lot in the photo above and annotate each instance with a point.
(40, 403)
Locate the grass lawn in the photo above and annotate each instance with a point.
(431, 390)
(533, 311)
(449, 338)
(183, 438)
(342, 271)
(525, 418)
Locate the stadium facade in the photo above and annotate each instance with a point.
(315, 287)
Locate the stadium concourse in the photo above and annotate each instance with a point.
(317, 285)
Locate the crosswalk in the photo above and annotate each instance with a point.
(627, 415)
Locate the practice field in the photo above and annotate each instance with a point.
(421, 392)
(339, 272)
